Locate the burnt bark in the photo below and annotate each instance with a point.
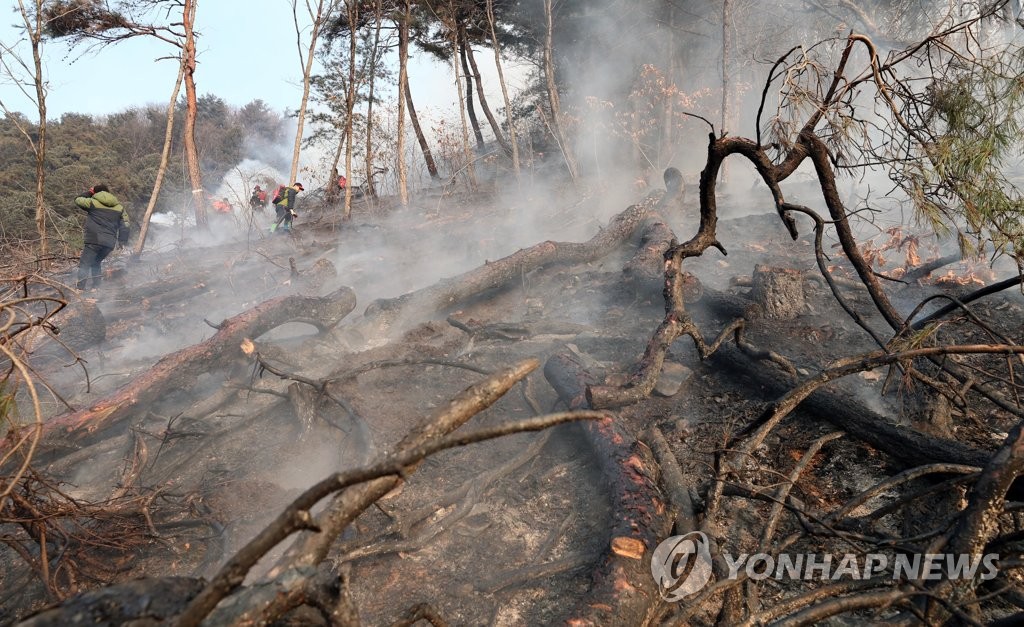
(428, 157)
(779, 292)
(905, 446)
(470, 109)
(152, 600)
(180, 369)
(623, 591)
(448, 293)
(495, 127)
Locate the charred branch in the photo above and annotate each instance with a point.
(178, 369)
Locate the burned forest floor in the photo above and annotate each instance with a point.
(506, 532)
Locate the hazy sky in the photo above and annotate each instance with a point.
(247, 50)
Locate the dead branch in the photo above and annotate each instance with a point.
(979, 524)
(623, 589)
(815, 614)
(973, 296)
(178, 369)
(449, 292)
(685, 514)
(379, 480)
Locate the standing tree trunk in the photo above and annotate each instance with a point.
(191, 154)
(667, 145)
(424, 146)
(307, 72)
(35, 35)
(553, 101)
(403, 83)
(513, 140)
(495, 128)
(164, 156)
(726, 16)
(470, 109)
(469, 168)
(352, 10)
(374, 56)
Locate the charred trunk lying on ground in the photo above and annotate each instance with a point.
(180, 369)
(623, 591)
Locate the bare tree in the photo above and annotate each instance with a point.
(468, 101)
(318, 17)
(188, 52)
(24, 75)
(79, 22)
(428, 156)
(403, 82)
(553, 100)
(513, 141)
(495, 128)
(378, 14)
(463, 106)
(164, 157)
(352, 13)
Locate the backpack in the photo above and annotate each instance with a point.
(279, 195)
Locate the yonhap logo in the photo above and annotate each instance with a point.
(681, 565)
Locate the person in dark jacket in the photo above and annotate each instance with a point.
(285, 207)
(106, 226)
(258, 200)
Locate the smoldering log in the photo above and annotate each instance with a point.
(148, 601)
(645, 271)
(180, 369)
(907, 447)
(623, 591)
(448, 292)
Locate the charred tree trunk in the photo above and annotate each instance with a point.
(178, 370)
(352, 12)
(495, 128)
(623, 591)
(513, 140)
(191, 153)
(371, 189)
(424, 146)
(449, 292)
(553, 99)
(470, 109)
(403, 82)
(469, 167)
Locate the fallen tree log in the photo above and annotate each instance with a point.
(180, 369)
(449, 292)
(905, 446)
(623, 591)
(148, 601)
(645, 271)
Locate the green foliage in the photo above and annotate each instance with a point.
(974, 125)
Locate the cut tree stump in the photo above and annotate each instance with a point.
(180, 369)
(779, 291)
